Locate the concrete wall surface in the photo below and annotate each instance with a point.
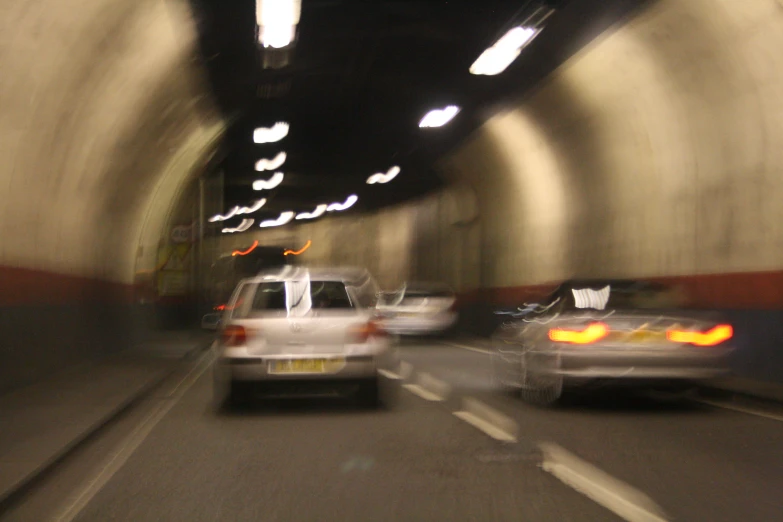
(105, 117)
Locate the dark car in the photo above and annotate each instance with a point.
(608, 332)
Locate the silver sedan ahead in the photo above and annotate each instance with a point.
(608, 332)
(305, 332)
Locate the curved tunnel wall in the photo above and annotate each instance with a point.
(656, 152)
(105, 116)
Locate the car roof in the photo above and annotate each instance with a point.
(349, 275)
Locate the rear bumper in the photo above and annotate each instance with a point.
(641, 364)
(253, 369)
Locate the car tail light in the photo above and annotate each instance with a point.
(233, 335)
(716, 335)
(220, 307)
(361, 334)
(592, 333)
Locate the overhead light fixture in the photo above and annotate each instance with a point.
(318, 212)
(343, 206)
(275, 180)
(276, 132)
(384, 178)
(222, 217)
(284, 218)
(439, 117)
(270, 164)
(277, 20)
(497, 58)
(252, 208)
(246, 224)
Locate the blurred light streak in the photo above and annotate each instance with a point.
(246, 223)
(275, 180)
(246, 252)
(271, 164)
(439, 117)
(218, 217)
(284, 218)
(252, 208)
(497, 58)
(384, 178)
(300, 251)
(318, 212)
(343, 206)
(270, 134)
(277, 21)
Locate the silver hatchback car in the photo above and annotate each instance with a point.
(305, 332)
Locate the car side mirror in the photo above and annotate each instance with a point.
(211, 321)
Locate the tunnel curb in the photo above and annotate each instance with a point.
(10, 497)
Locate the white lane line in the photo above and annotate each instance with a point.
(429, 388)
(388, 374)
(406, 369)
(134, 440)
(487, 419)
(749, 411)
(421, 392)
(466, 347)
(620, 498)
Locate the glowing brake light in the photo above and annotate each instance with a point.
(361, 334)
(718, 334)
(234, 336)
(594, 332)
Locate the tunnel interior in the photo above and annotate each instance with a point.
(630, 139)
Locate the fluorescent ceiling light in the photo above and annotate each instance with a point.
(228, 215)
(275, 180)
(252, 208)
(439, 117)
(318, 212)
(271, 164)
(246, 223)
(384, 178)
(277, 20)
(343, 206)
(284, 218)
(276, 132)
(497, 58)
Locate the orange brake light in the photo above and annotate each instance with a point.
(233, 335)
(594, 332)
(716, 335)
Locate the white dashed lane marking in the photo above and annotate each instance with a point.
(613, 494)
(429, 388)
(487, 419)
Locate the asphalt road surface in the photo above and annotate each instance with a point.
(608, 456)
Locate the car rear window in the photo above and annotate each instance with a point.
(281, 295)
(621, 296)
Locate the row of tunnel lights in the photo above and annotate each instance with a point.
(277, 21)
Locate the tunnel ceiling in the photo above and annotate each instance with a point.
(359, 77)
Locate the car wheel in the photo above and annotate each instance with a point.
(541, 388)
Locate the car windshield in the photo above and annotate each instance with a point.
(281, 295)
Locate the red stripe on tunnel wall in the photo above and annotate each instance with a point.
(746, 290)
(22, 286)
